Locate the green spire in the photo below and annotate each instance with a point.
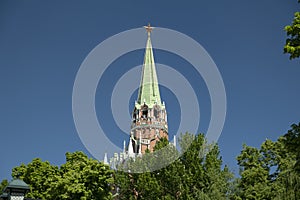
(149, 90)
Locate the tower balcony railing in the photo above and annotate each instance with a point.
(148, 120)
(154, 126)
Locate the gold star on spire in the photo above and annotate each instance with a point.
(148, 29)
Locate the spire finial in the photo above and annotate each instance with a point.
(148, 29)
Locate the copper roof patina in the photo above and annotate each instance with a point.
(149, 90)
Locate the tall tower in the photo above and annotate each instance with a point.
(149, 117)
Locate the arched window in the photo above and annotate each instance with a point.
(144, 111)
(156, 112)
(134, 115)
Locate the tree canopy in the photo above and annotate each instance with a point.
(292, 45)
(79, 178)
(271, 171)
(268, 172)
(197, 174)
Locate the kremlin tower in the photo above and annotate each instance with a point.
(149, 116)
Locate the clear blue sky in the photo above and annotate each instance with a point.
(43, 43)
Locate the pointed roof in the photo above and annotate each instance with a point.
(124, 146)
(149, 90)
(105, 161)
(16, 184)
(130, 149)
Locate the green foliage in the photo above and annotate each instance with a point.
(292, 143)
(79, 178)
(255, 180)
(268, 172)
(204, 176)
(39, 175)
(289, 169)
(197, 174)
(3, 184)
(292, 45)
(271, 171)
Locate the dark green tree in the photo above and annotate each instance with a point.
(197, 174)
(254, 170)
(141, 185)
(203, 177)
(292, 143)
(289, 167)
(170, 176)
(270, 172)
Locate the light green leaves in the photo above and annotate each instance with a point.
(79, 178)
(292, 45)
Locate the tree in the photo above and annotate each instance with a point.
(79, 178)
(169, 177)
(197, 174)
(3, 184)
(254, 171)
(292, 45)
(39, 175)
(292, 143)
(143, 184)
(270, 172)
(82, 178)
(204, 177)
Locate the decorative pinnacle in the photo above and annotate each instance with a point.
(148, 29)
